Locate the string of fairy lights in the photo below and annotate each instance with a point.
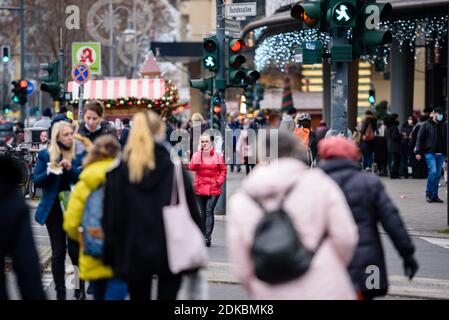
(279, 50)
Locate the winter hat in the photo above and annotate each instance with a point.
(338, 147)
(47, 113)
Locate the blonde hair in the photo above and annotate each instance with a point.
(197, 117)
(139, 149)
(104, 147)
(53, 149)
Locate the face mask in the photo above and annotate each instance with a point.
(439, 117)
(410, 122)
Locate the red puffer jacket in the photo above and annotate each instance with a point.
(210, 172)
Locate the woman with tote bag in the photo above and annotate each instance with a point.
(136, 193)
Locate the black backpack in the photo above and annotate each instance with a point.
(278, 254)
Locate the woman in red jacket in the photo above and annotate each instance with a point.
(210, 175)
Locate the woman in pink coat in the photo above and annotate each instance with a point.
(316, 207)
(210, 175)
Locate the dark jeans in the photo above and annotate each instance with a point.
(367, 160)
(435, 166)
(109, 289)
(60, 243)
(248, 166)
(207, 206)
(403, 168)
(167, 287)
(395, 161)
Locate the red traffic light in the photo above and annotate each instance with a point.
(23, 84)
(236, 45)
(217, 109)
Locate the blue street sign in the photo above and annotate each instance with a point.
(30, 88)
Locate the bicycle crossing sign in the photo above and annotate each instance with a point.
(81, 73)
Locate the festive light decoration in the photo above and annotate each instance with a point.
(278, 50)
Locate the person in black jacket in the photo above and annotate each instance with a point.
(419, 167)
(406, 149)
(394, 145)
(431, 145)
(93, 124)
(135, 194)
(368, 143)
(16, 238)
(125, 133)
(370, 205)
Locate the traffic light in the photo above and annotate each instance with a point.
(6, 109)
(6, 55)
(372, 96)
(249, 96)
(204, 85)
(342, 14)
(19, 91)
(216, 113)
(371, 36)
(259, 95)
(238, 76)
(51, 83)
(210, 53)
(311, 13)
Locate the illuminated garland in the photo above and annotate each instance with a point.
(278, 50)
(169, 99)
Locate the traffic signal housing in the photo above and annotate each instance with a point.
(204, 85)
(6, 55)
(372, 96)
(210, 53)
(342, 14)
(6, 109)
(216, 113)
(19, 90)
(238, 76)
(51, 82)
(312, 14)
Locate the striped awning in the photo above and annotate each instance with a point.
(122, 88)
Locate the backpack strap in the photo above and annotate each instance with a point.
(281, 205)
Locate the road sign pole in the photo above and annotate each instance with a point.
(220, 77)
(80, 103)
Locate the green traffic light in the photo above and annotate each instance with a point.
(15, 99)
(209, 62)
(371, 100)
(5, 59)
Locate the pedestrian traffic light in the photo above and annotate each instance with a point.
(6, 54)
(372, 96)
(6, 109)
(310, 13)
(249, 96)
(210, 53)
(342, 14)
(204, 85)
(238, 76)
(51, 82)
(19, 91)
(216, 113)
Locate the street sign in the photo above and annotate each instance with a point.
(241, 9)
(30, 88)
(88, 53)
(233, 27)
(81, 73)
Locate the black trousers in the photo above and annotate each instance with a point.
(248, 166)
(167, 287)
(403, 169)
(395, 161)
(207, 206)
(60, 244)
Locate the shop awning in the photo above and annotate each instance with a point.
(121, 88)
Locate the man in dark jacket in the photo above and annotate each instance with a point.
(16, 239)
(368, 143)
(394, 145)
(125, 133)
(370, 205)
(431, 144)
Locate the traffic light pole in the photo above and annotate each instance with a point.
(339, 91)
(24, 113)
(221, 92)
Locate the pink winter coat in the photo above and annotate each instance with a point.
(245, 146)
(315, 205)
(210, 172)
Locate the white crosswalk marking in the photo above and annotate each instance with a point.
(442, 242)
